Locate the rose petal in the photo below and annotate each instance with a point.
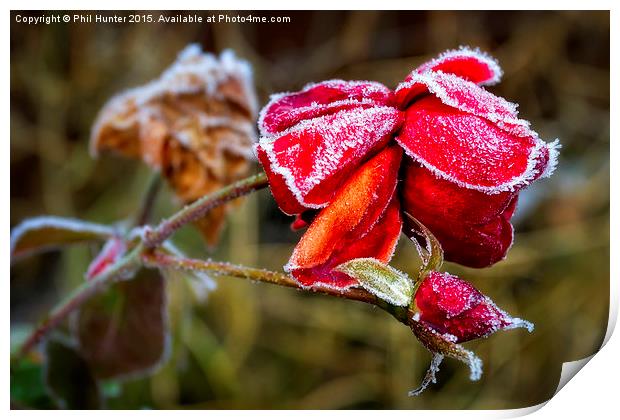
(469, 150)
(379, 243)
(314, 157)
(455, 308)
(318, 99)
(473, 227)
(356, 224)
(287, 202)
(464, 96)
(469, 64)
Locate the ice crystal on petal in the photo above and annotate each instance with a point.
(554, 152)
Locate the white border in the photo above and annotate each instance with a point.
(592, 393)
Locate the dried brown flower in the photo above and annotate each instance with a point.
(195, 124)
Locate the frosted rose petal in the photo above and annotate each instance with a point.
(469, 150)
(356, 224)
(464, 96)
(318, 99)
(473, 227)
(315, 156)
(469, 64)
(379, 243)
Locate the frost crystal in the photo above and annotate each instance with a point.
(430, 376)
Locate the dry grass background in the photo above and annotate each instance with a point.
(259, 346)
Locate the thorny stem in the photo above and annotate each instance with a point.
(156, 236)
(80, 295)
(160, 260)
(153, 238)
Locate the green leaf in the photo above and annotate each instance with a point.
(68, 377)
(380, 279)
(428, 247)
(47, 232)
(123, 331)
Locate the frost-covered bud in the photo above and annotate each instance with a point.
(458, 311)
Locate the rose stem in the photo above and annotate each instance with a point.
(158, 259)
(157, 235)
(148, 201)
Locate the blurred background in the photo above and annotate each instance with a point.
(264, 347)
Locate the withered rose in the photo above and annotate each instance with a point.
(195, 124)
(336, 147)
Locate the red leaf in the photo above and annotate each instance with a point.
(122, 332)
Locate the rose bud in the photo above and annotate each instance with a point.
(457, 310)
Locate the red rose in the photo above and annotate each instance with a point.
(331, 147)
(469, 156)
(458, 311)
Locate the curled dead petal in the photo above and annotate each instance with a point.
(195, 124)
(428, 247)
(362, 221)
